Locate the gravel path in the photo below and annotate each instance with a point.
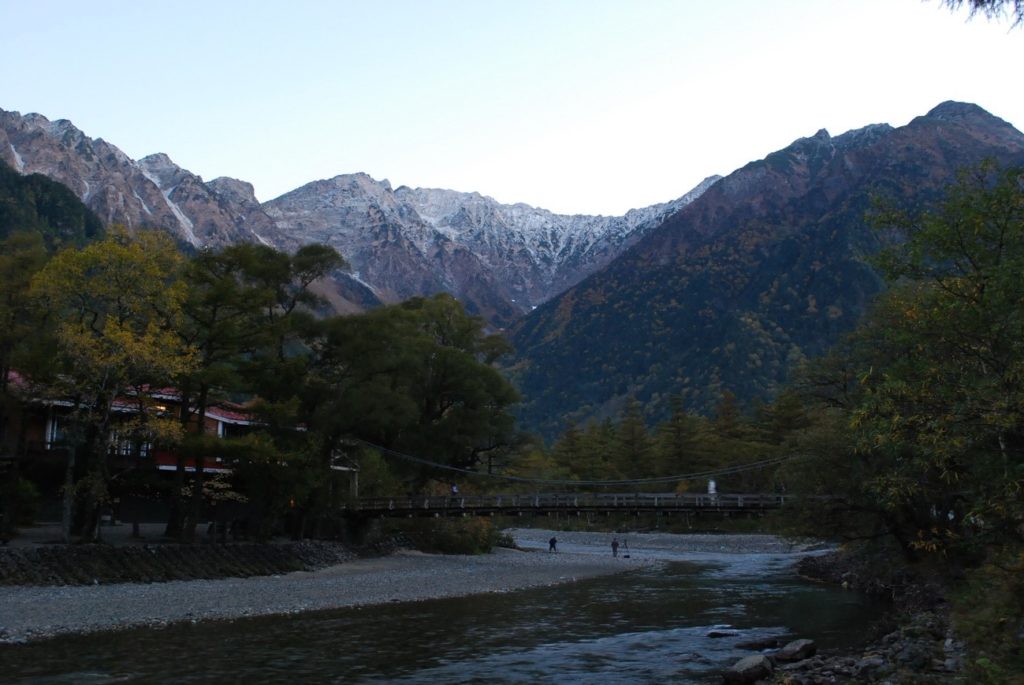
(32, 613)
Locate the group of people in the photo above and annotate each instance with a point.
(553, 547)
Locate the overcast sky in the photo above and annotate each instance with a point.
(577, 106)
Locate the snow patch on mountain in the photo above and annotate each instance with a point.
(151, 167)
(142, 202)
(501, 260)
(560, 249)
(19, 163)
(505, 259)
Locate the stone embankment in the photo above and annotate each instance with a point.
(103, 564)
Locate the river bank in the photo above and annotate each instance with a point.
(338, 577)
(917, 644)
(38, 612)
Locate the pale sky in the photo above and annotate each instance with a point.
(577, 106)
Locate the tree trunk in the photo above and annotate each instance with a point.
(97, 495)
(136, 514)
(196, 501)
(68, 504)
(196, 508)
(175, 527)
(175, 514)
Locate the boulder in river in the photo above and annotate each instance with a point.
(747, 670)
(797, 650)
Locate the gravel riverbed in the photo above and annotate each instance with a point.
(33, 613)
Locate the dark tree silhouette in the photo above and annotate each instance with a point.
(993, 9)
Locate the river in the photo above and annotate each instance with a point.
(649, 625)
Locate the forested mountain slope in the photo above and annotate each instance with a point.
(34, 203)
(765, 269)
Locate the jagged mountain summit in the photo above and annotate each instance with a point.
(500, 260)
(536, 251)
(766, 269)
(151, 192)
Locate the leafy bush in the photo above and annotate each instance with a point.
(26, 498)
(503, 539)
(473, 535)
(988, 613)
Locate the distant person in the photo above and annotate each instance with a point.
(615, 547)
(552, 543)
(455, 489)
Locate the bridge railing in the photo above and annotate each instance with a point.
(567, 502)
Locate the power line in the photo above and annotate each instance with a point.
(699, 475)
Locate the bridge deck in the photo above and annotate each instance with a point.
(487, 505)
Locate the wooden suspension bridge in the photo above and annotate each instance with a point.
(562, 503)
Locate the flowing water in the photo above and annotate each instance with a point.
(646, 626)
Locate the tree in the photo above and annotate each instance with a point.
(116, 305)
(937, 416)
(415, 378)
(462, 400)
(681, 444)
(537, 465)
(572, 454)
(598, 458)
(246, 313)
(37, 204)
(993, 9)
(633, 452)
(953, 404)
(22, 254)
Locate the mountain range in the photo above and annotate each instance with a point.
(767, 268)
(725, 288)
(500, 260)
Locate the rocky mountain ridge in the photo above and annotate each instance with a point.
(151, 192)
(766, 269)
(501, 260)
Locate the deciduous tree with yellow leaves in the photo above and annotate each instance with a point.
(116, 305)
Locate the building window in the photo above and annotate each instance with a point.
(56, 431)
(123, 445)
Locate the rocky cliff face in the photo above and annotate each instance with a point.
(538, 254)
(500, 260)
(152, 192)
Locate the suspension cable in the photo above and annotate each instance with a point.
(699, 475)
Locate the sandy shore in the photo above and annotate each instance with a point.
(32, 613)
